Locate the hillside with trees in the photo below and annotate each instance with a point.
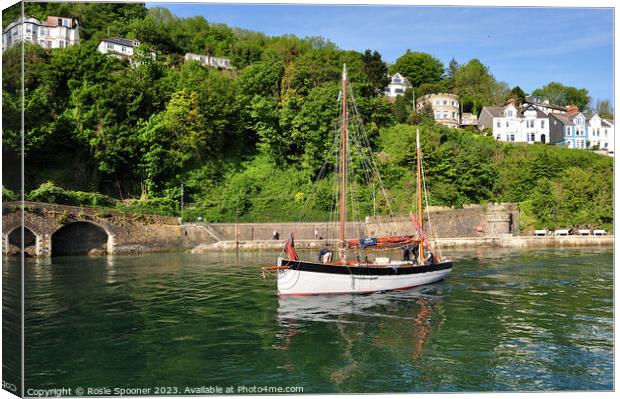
(246, 144)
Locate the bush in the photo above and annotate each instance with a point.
(160, 206)
(52, 194)
(8, 195)
(49, 193)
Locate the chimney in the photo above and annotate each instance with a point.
(572, 110)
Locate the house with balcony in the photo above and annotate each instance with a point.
(397, 87)
(526, 124)
(55, 32)
(445, 108)
(209, 61)
(570, 129)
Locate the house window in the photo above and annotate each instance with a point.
(59, 21)
(437, 102)
(512, 137)
(605, 146)
(397, 80)
(542, 124)
(509, 113)
(445, 115)
(445, 102)
(28, 28)
(532, 137)
(123, 49)
(398, 91)
(49, 44)
(454, 115)
(61, 44)
(499, 124)
(111, 46)
(507, 124)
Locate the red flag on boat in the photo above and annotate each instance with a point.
(289, 248)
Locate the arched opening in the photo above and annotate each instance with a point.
(543, 139)
(79, 238)
(15, 242)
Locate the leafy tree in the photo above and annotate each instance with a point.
(559, 94)
(418, 68)
(477, 88)
(376, 70)
(516, 95)
(604, 109)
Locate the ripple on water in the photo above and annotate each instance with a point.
(502, 321)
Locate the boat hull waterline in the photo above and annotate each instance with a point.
(301, 278)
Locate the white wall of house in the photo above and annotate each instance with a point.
(210, 61)
(533, 128)
(41, 33)
(115, 49)
(397, 87)
(508, 126)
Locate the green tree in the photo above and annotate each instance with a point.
(477, 88)
(418, 68)
(559, 94)
(376, 70)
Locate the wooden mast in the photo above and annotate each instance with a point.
(419, 181)
(343, 167)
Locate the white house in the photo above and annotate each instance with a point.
(397, 86)
(526, 124)
(118, 47)
(121, 48)
(56, 32)
(601, 134)
(207, 60)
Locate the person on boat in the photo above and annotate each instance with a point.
(327, 256)
(415, 253)
(430, 258)
(406, 253)
(322, 253)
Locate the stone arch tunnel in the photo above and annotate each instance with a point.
(79, 238)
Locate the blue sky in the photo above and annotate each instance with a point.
(528, 47)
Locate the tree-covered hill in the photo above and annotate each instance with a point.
(247, 144)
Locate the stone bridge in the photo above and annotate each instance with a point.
(69, 230)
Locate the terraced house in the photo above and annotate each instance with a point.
(600, 133)
(570, 130)
(526, 124)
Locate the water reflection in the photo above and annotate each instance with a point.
(398, 324)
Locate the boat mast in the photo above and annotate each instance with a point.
(343, 166)
(419, 181)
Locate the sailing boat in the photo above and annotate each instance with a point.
(299, 277)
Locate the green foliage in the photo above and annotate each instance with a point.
(50, 193)
(159, 206)
(559, 94)
(476, 87)
(418, 68)
(8, 195)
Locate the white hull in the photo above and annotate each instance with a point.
(295, 282)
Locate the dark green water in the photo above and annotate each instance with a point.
(502, 321)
